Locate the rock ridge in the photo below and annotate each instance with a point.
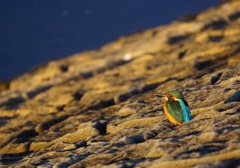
(97, 108)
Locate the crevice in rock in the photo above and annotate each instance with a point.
(214, 79)
(7, 159)
(112, 64)
(122, 97)
(199, 65)
(80, 144)
(203, 150)
(101, 104)
(12, 103)
(233, 98)
(64, 67)
(218, 24)
(101, 126)
(209, 69)
(142, 137)
(188, 134)
(128, 163)
(148, 87)
(215, 38)
(47, 124)
(20, 136)
(176, 39)
(78, 95)
(87, 74)
(234, 16)
(31, 94)
(107, 103)
(182, 54)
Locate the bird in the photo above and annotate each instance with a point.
(176, 107)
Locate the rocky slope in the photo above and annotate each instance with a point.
(97, 108)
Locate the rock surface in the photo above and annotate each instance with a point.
(97, 108)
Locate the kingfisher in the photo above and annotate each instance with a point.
(176, 107)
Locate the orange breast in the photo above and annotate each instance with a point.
(171, 119)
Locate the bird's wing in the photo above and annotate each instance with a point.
(185, 110)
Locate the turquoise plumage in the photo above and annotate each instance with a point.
(176, 108)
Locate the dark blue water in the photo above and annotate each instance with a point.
(37, 31)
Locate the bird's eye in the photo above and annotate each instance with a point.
(170, 95)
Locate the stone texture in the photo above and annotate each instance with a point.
(98, 109)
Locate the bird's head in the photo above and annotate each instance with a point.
(172, 96)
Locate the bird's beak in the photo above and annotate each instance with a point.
(161, 96)
(158, 95)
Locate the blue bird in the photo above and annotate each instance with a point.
(176, 107)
